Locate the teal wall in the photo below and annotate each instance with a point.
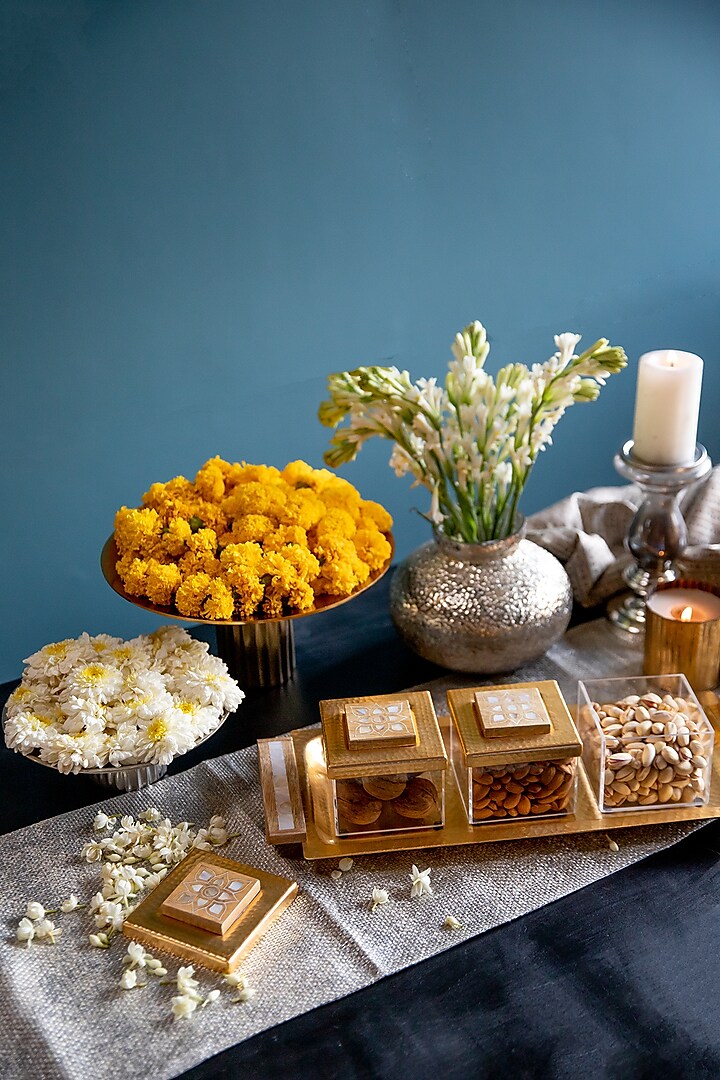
(208, 205)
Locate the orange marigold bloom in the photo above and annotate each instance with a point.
(161, 582)
(335, 522)
(260, 474)
(210, 481)
(305, 563)
(303, 508)
(175, 537)
(241, 555)
(192, 594)
(220, 602)
(251, 528)
(299, 472)
(255, 498)
(372, 547)
(376, 513)
(133, 574)
(283, 535)
(341, 570)
(137, 530)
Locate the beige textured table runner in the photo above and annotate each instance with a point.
(62, 1011)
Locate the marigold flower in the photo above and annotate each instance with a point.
(192, 594)
(161, 581)
(220, 602)
(210, 481)
(376, 513)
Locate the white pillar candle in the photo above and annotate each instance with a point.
(685, 605)
(667, 404)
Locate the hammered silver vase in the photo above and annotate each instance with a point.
(483, 608)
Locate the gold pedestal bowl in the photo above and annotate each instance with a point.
(259, 652)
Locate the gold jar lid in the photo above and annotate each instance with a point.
(524, 736)
(404, 735)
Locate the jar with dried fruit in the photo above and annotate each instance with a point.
(386, 762)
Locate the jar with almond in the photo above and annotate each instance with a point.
(515, 751)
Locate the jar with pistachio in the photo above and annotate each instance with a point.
(648, 743)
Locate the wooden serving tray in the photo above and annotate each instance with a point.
(320, 843)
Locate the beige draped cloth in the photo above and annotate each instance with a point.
(587, 531)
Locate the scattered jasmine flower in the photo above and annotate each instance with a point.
(45, 928)
(420, 882)
(135, 955)
(70, 904)
(212, 996)
(345, 865)
(451, 923)
(25, 931)
(183, 1006)
(336, 875)
(237, 979)
(245, 994)
(99, 941)
(101, 821)
(35, 911)
(186, 984)
(128, 980)
(612, 844)
(379, 897)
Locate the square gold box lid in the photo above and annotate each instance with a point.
(195, 945)
(427, 753)
(521, 748)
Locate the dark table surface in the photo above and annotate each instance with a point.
(618, 980)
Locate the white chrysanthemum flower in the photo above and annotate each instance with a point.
(84, 714)
(96, 680)
(143, 696)
(73, 753)
(52, 661)
(163, 738)
(210, 685)
(202, 719)
(29, 731)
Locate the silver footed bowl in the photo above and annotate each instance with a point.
(123, 777)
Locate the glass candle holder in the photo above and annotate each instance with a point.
(682, 632)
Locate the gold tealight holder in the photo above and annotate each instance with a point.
(682, 632)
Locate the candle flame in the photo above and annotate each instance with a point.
(686, 614)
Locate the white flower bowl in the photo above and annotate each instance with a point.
(123, 777)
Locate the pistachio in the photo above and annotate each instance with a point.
(656, 751)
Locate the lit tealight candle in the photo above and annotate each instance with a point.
(682, 634)
(667, 406)
(685, 605)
